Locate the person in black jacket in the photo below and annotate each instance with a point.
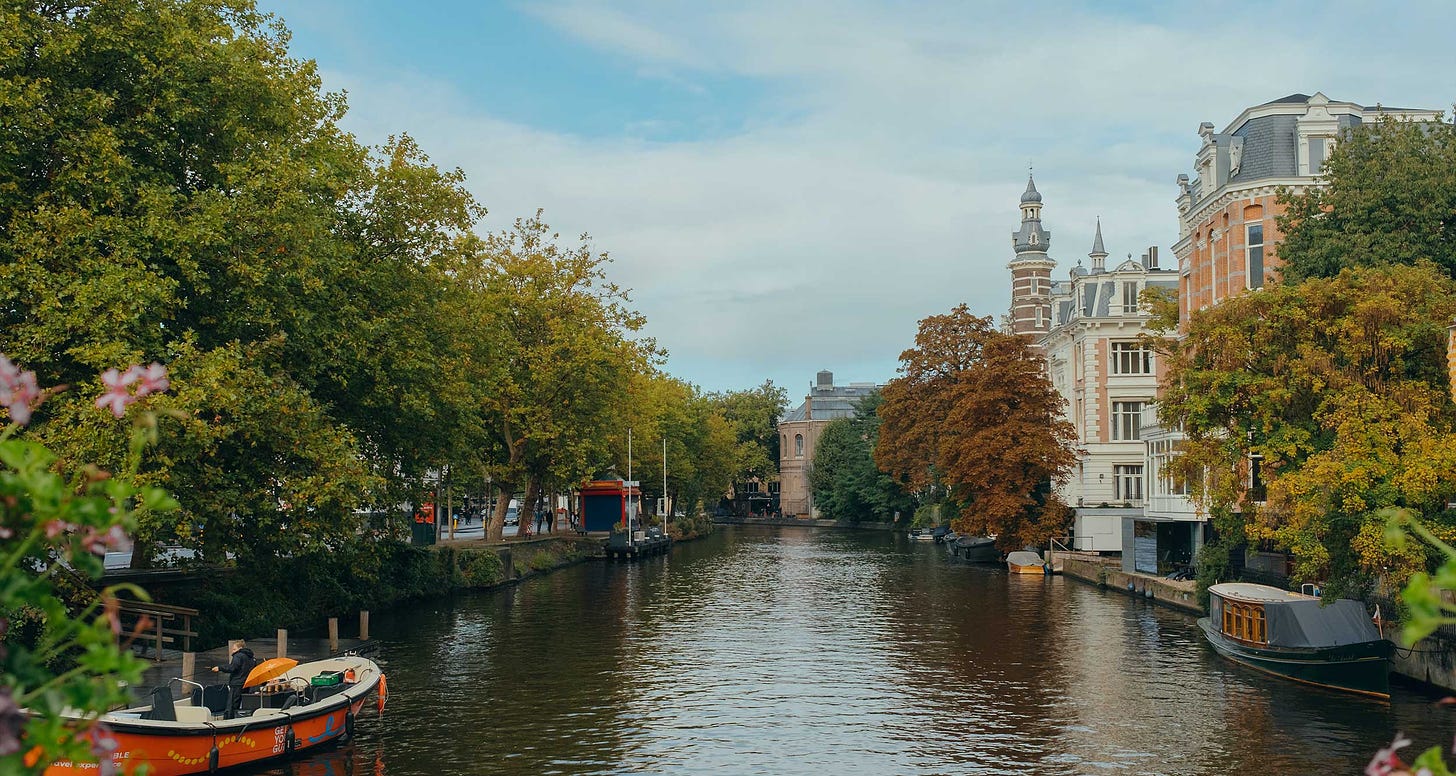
(241, 662)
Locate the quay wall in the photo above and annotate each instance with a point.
(1433, 661)
(1181, 596)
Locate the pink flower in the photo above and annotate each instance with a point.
(153, 379)
(18, 391)
(118, 394)
(1385, 762)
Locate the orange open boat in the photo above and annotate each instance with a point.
(311, 705)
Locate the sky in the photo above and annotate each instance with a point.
(787, 187)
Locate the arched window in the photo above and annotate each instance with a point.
(798, 445)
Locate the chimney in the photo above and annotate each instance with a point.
(1152, 262)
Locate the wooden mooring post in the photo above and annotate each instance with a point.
(363, 624)
(282, 642)
(189, 665)
(333, 635)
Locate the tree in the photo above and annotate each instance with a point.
(1338, 388)
(973, 412)
(754, 415)
(556, 356)
(846, 483)
(1389, 198)
(174, 187)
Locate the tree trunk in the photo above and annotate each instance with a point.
(529, 505)
(496, 525)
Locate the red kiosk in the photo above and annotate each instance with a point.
(604, 504)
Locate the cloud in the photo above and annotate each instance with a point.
(875, 178)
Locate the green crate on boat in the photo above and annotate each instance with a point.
(328, 679)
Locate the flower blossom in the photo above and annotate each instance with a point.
(18, 391)
(1386, 762)
(119, 393)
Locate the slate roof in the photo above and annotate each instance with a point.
(831, 402)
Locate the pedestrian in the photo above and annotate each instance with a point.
(550, 521)
(240, 663)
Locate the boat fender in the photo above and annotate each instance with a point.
(383, 693)
(349, 725)
(290, 742)
(212, 758)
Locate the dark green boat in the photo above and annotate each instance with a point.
(1329, 644)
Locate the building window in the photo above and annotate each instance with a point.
(1254, 251)
(1129, 298)
(1164, 452)
(1127, 422)
(1131, 358)
(798, 445)
(1127, 482)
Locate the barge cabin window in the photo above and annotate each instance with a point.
(1245, 622)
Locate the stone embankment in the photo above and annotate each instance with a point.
(1175, 593)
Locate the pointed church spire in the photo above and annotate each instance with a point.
(1031, 194)
(1031, 238)
(1099, 253)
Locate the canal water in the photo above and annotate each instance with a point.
(790, 650)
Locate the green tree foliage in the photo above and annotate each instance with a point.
(972, 411)
(701, 445)
(846, 483)
(1339, 387)
(558, 353)
(1390, 199)
(754, 415)
(174, 187)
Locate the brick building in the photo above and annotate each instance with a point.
(1226, 214)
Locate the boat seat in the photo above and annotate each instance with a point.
(214, 698)
(163, 710)
(192, 715)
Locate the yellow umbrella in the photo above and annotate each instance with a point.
(272, 668)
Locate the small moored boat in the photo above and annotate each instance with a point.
(975, 549)
(1330, 644)
(311, 705)
(1025, 562)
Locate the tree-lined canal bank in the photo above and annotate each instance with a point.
(791, 651)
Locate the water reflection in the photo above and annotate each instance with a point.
(792, 651)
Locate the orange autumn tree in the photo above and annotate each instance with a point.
(973, 420)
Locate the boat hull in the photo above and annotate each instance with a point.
(1362, 668)
(1016, 568)
(976, 551)
(178, 749)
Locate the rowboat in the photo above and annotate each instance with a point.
(1025, 562)
(1330, 644)
(311, 705)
